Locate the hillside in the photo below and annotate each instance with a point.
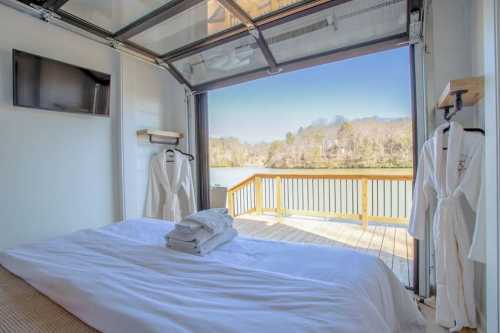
(360, 143)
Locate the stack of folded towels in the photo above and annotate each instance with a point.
(202, 232)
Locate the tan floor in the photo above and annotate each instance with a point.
(429, 312)
(389, 242)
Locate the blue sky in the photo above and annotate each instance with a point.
(266, 109)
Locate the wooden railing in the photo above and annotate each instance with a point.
(376, 198)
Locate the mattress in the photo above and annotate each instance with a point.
(355, 279)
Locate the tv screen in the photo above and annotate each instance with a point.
(43, 83)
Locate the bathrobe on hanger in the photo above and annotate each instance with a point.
(170, 195)
(451, 178)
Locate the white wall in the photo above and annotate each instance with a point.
(151, 98)
(476, 17)
(62, 172)
(481, 45)
(491, 11)
(57, 171)
(457, 51)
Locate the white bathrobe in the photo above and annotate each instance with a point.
(170, 194)
(451, 178)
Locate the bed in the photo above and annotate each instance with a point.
(122, 278)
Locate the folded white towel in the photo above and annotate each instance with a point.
(214, 220)
(196, 238)
(208, 246)
(220, 210)
(187, 227)
(181, 245)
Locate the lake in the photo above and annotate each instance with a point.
(228, 177)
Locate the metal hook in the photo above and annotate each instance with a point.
(446, 109)
(459, 103)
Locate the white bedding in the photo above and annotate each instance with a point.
(121, 278)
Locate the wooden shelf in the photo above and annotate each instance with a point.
(163, 135)
(160, 134)
(473, 85)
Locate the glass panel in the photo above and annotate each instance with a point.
(236, 57)
(344, 25)
(111, 15)
(191, 25)
(256, 8)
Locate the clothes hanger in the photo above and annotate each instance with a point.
(170, 150)
(171, 160)
(190, 157)
(479, 130)
(472, 129)
(448, 116)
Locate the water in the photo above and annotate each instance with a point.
(228, 177)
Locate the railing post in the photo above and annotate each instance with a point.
(277, 191)
(258, 195)
(364, 202)
(230, 203)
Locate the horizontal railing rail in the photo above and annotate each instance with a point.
(375, 198)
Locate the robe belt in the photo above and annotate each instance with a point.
(447, 203)
(446, 197)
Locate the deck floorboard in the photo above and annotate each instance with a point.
(391, 244)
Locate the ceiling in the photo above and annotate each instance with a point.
(208, 44)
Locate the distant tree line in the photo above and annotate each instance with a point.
(360, 143)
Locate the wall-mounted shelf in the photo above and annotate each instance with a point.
(472, 88)
(166, 137)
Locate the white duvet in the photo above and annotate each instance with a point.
(122, 278)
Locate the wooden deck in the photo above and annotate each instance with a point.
(390, 243)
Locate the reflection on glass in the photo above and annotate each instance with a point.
(111, 15)
(236, 57)
(341, 26)
(256, 8)
(196, 23)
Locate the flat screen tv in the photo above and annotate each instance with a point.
(48, 84)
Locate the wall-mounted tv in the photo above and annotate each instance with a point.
(48, 84)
